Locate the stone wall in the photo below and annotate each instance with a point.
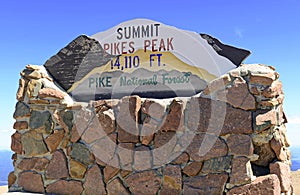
(230, 139)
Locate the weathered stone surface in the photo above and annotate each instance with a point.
(65, 187)
(181, 159)
(264, 119)
(192, 169)
(81, 153)
(109, 172)
(31, 74)
(16, 143)
(21, 110)
(81, 122)
(125, 152)
(262, 79)
(93, 132)
(104, 151)
(268, 184)
(31, 182)
(21, 90)
(164, 147)
(93, 183)
(107, 121)
(41, 121)
(206, 115)
(208, 184)
(146, 182)
(240, 145)
(77, 169)
(274, 90)
(66, 119)
(217, 84)
(33, 88)
(142, 158)
(51, 93)
(279, 143)
(172, 180)
(217, 165)
(241, 171)
(33, 143)
(74, 134)
(238, 95)
(57, 167)
(34, 164)
(206, 146)
(163, 138)
(11, 179)
(20, 125)
(153, 109)
(127, 119)
(54, 140)
(148, 129)
(174, 119)
(282, 171)
(116, 187)
(266, 154)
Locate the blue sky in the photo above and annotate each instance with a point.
(32, 31)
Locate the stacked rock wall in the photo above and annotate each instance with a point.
(229, 139)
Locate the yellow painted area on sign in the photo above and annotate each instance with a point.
(152, 61)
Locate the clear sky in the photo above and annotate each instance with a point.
(31, 31)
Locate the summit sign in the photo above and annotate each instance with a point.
(141, 57)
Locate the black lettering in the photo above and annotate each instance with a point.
(136, 32)
(145, 31)
(119, 31)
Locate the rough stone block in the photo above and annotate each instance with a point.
(51, 93)
(174, 120)
(266, 154)
(206, 146)
(11, 179)
(41, 121)
(146, 182)
(116, 187)
(206, 115)
(153, 109)
(81, 153)
(217, 165)
(57, 167)
(21, 110)
(238, 95)
(65, 187)
(208, 184)
(241, 171)
(31, 182)
(240, 145)
(127, 119)
(192, 169)
(93, 181)
(268, 184)
(172, 180)
(282, 171)
(54, 140)
(20, 125)
(16, 143)
(109, 172)
(77, 169)
(34, 164)
(264, 119)
(33, 144)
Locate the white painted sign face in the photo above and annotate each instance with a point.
(149, 59)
